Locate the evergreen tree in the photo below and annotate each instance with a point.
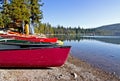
(19, 10)
(36, 13)
(1, 21)
(5, 19)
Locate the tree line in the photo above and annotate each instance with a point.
(12, 11)
(46, 28)
(24, 10)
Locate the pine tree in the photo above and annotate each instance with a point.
(19, 10)
(1, 21)
(36, 13)
(4, 14)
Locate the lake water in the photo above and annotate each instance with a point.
(100, 51)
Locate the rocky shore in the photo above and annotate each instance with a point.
(72, 70)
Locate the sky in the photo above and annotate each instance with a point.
(83, 13)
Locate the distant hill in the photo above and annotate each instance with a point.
(113, 29)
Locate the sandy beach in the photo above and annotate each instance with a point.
(72, 70)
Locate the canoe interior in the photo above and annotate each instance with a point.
(21, 43)
(18, 46)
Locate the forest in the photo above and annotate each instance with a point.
(14, 11)
(19, 11)
(24, 10)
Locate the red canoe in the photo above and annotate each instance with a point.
(31, 38)
(51, 56)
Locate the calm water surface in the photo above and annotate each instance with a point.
(102, 52)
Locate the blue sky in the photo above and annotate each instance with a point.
(83, 13)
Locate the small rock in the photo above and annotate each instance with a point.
(74, 75)
(60, 76)
(114, 73)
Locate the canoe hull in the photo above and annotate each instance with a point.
(34, 57)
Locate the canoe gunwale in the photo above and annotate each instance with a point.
(33, 48)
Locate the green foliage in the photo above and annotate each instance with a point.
(60, 30)
(44, 28)
(4, 14)
(1, 21)
(19, 10)
(36, 13)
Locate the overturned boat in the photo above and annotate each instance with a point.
(32, 55)
(30, 38)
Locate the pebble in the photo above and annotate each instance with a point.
(113, 73)
(74, 75)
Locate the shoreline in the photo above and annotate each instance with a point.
(96, 72)
(73, 70)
